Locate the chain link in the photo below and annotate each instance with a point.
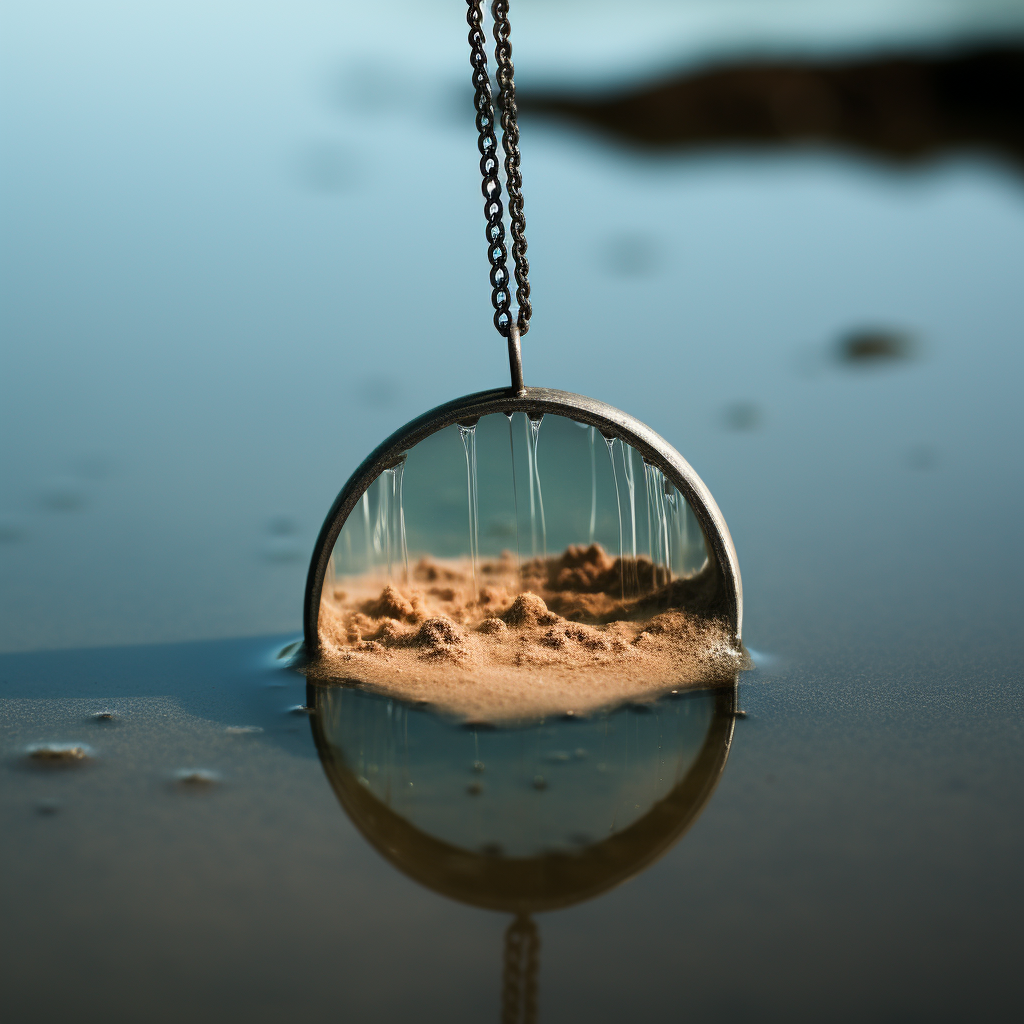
(483, 102)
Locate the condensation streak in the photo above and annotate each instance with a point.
(515, 495)
(532, 438)
(627, 470)
(399, 473)
(610, 441)
(468, 435)
(367, 533)
(593, 485)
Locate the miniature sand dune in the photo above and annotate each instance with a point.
(570, 634)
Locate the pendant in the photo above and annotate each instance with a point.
(625, 588)
(603, 556)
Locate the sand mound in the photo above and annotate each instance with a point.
(574, 633)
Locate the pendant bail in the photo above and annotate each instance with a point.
(515, 359)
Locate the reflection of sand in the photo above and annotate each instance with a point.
(564, 639)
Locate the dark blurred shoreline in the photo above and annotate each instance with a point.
(899, 107)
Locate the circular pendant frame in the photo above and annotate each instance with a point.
(534, 402)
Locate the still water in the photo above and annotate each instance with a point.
(204, 335)
(343, 856)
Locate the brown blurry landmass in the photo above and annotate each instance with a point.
(569, 634)
(897, 107)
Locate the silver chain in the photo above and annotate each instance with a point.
(497, 253)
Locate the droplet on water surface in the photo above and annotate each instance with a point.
(59, 754)
(876, 347)
(196, 778)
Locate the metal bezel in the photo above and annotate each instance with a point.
(610, 421)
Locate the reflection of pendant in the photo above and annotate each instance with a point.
(401, 774)
(714, 588)
(464, 815)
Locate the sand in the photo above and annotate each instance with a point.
(556, 638)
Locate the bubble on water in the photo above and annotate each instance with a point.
(243, 730)
(478, 766)
(196, 778)
(558, 757)
(876, 347)
(59, 753)
(579, 753)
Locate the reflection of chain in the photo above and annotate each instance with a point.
(501, 296)
(519, 980)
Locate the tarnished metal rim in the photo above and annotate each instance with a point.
(533, 401)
